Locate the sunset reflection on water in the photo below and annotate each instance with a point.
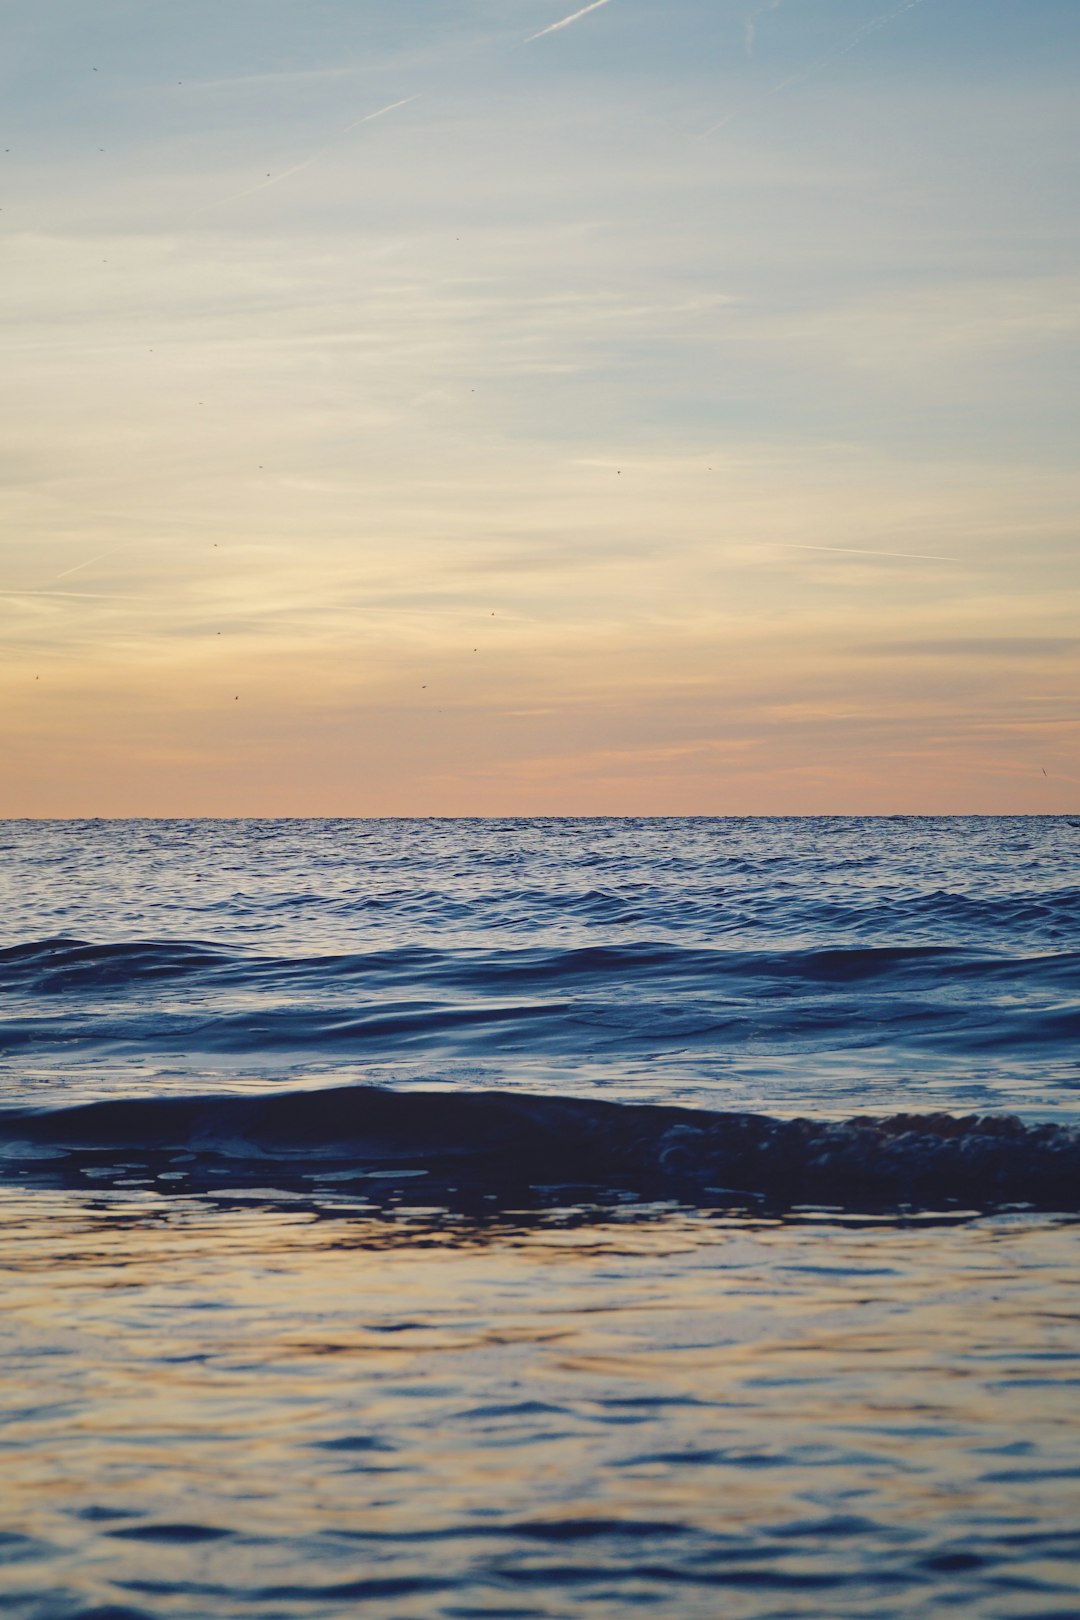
(269, 1402)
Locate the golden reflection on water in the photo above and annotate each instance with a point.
(206, 1405)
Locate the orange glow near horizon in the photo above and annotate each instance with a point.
(450, 428)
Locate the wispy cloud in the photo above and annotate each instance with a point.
(409, 435)
(564, 22)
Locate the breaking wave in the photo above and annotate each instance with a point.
(501, 1142)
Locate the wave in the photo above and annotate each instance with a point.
(620, 1004)
(60, 964)
(502, 1142)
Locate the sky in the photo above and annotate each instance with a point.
(467, 407)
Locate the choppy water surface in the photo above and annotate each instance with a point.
(514, 1219)
(816, 965)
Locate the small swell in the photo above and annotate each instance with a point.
(63, 965)
(60, 964)
(505, 1141)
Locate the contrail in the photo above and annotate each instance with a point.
(750, 22)
(275, 179)
(89, 561)
(73, 596)
(857, 551)
(391, 106)
(847, 45)
(46, 587)
(722, 123)
(285, 174)
(565, 22)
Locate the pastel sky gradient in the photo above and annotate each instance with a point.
(675, 412)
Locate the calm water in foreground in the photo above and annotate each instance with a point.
(546, 1359)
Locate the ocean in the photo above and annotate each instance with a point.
(540, 1217)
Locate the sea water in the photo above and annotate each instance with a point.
(541, 1217)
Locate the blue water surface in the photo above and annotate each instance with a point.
(278, 1343)
(817, 966)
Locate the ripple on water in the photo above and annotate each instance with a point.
(586, 1408)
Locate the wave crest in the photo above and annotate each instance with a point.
(503, 1141)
